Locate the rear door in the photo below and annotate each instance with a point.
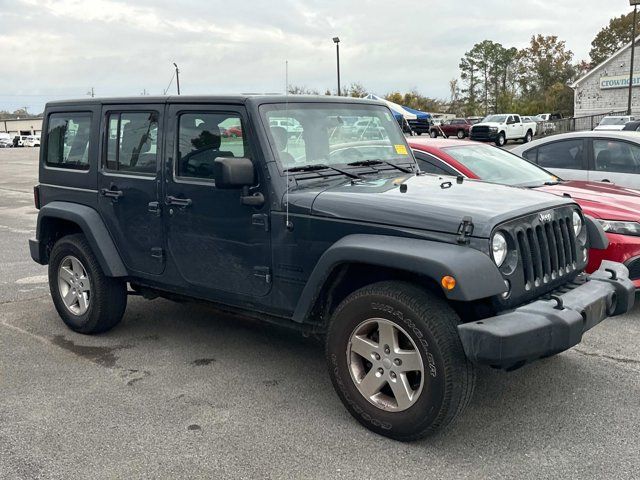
(566, 158)
(614, 161)
(129, 183)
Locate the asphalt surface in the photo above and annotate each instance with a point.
(183, 391)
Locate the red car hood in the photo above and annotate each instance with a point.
(600, 199)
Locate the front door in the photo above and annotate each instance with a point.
(129, 184)
(216, 242)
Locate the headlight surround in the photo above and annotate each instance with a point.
(499, 248)
(493, 129)
(621, 228)
(578, 224)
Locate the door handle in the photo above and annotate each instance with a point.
(179, 202)
(115, 194)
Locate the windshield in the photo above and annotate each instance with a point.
(614, 120)
(493, 164)
(304, 134)
(495, 118)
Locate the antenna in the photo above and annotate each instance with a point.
(287, 222)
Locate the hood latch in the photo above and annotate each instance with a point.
(465, 229)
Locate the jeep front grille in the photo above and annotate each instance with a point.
(547, 251)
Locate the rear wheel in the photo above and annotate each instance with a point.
(396, 360)
(433, 134)
(528, 137)
(86, 300)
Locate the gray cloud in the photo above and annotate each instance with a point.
(56, 49)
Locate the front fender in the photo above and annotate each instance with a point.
(93, 228)
(476, 274)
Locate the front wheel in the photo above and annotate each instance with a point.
(460, 134)
(501, 140)
(86, 300)
(396, 360)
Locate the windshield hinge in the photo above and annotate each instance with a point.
(465, 229)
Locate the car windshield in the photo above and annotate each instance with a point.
(495, 165)
(304, 134)
(614, 121)
(495, 118)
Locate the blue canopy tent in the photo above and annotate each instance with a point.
(420, 115)
(404, 115)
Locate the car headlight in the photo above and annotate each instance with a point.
(493, 129)
(499, 248)
(621, 228)
(578, 225)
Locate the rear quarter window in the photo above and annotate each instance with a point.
(67, 142)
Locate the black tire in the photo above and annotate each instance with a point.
(528, 137)
(430, 323)
(460, 134)
(433, 134)
(108, 296)
(501, 141)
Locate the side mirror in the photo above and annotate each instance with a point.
(231, 172)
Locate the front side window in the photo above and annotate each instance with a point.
(132, 142)
(334, 134)
(565, 154)
(68, 136)
(495, 165)
(203, 137)
(616, 156)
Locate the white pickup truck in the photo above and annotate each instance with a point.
(501, 128)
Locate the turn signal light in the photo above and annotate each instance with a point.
(448, 282)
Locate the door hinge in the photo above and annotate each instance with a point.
(465, 229)
(157, 252)
(260, 220)
(263, 272)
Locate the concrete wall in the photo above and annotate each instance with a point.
(590, 99)
(14, 127)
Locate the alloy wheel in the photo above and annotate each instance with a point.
(74, 285)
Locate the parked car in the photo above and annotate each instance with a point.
(502, 128)
(597, 156)
(549, 117)
(474, 120)
(232, 132)
(18, 140)
(458, 127)
(633, 126)
(292, 126)
(6, 143)
(411, 279)
(614, 123)
(31, 141)
(616, 208)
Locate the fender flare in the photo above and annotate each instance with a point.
(476, 274)
(93, 228)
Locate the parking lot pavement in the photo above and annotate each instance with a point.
(183, 390)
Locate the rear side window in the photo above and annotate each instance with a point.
(616, 156)
(565, 154)
(68, 136)
(132, 142)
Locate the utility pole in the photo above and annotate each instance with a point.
(91, 93)
(634, 4)
(178, 76)
(336, 40)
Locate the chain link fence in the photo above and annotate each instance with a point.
(574, 124)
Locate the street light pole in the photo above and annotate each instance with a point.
(177, 77)
(633, 3)
(336, 40)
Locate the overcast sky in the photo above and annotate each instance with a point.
(55, 49)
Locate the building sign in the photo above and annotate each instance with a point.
(619, 81)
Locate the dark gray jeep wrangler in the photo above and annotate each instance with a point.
(312, 212)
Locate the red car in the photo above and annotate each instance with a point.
(233, 132)
(458, 127)
(617, 208)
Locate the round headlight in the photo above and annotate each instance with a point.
(577, 223)
(499, 248)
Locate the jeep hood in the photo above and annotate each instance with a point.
(430, 202)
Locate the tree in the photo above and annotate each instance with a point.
(469, 76)
(301, 90)
(613, 37)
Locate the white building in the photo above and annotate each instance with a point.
(605, 88)
(22, 126)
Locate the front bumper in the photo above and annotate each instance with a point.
(483, 136)
(546, 327)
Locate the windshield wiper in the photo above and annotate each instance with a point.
(322, 166)
(366, 163)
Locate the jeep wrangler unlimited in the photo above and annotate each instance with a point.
(413, 279)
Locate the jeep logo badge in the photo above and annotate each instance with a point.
(545, 217)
